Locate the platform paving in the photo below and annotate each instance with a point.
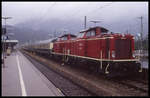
(21, 78)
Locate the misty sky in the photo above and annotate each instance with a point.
(107, 12)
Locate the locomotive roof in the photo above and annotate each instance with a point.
(93, 28)
(67, 35)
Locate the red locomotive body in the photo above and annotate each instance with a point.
(63, 44)
(112, 52)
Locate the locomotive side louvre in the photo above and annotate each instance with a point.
(55, 47)
(75, 48)
(123, 48)
(92, 48)
(67, 47)
(61, 47)
(72, 49)
(107, 43)
(80, 46)
(96, 48)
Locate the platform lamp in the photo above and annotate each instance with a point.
(4, 40)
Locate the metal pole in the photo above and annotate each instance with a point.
(141, 33)
(5, 41)
(4, 46)
(85, 22)
(4, 55)
(3, 52)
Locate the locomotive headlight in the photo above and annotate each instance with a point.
(113, 54)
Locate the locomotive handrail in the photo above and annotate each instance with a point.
(106, 71)
(67, 52)
(115, 60)
(63, 58)
(101, 58)
(85, 39)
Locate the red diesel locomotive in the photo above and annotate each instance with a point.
(112, 53)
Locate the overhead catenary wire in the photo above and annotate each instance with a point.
(43, 15)
(100, 7)
(89, 13)
(49, 8)
(75, 14)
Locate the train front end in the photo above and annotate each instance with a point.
(122, 55)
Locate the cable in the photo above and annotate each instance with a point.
(89, 13)
(50, 7)
(100, 7)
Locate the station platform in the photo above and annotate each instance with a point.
(21, 78)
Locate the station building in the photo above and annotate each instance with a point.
(8, 45)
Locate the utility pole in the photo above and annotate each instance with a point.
(141, 35)
(85, 22)
(4, 40)
(127, 31)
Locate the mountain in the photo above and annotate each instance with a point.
(35, 29)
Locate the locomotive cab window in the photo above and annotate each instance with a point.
(58, 39)
(90, 33)
(64, 38)
(103, 30)
(80, 35)
(93, 33)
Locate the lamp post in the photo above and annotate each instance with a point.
(4, 40)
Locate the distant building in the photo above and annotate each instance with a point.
(3, 30)
(9, 45)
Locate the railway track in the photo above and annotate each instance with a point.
(133, 86)
(68, 88)
(108, 87)
(136, 86)
(145, 82)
